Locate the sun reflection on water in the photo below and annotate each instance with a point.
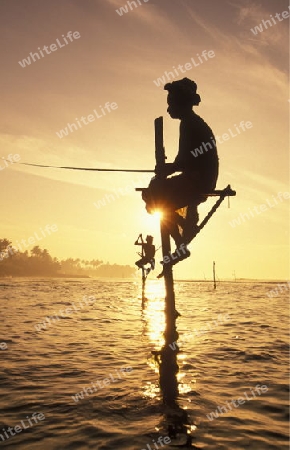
(153, 312)
(172, 382)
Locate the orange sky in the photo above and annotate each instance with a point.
(116, 59)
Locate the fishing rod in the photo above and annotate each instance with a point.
(93, 169)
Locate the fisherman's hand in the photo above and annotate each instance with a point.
(169, 169)
(166, 170)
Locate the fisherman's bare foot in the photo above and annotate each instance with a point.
(178, 255)
(161, 274)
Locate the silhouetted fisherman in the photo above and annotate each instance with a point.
(197, 160)
(148, 252)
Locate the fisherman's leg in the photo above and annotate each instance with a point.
(168, 194)
(179, 220)
(190, 227)
(154, 195)
(181, 252)
(141, 262)
(170, 219)
(175, 234)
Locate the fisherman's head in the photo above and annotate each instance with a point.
(181, 97)
(149, 239)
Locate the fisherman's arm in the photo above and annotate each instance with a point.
(137, 242)
(170, 168)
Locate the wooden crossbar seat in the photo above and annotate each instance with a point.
(226, 192)
(222, 194)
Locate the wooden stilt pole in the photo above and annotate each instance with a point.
(214, 280)
(168, 366)
(143, 282)
(167, 356)
(143, 269)
(170, 312)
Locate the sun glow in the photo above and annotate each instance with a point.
(150, 223)
(157, 215)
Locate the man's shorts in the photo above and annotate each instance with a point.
(176, 192)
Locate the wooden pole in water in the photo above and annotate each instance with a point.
(214, 281)
(143, 268)
(170, 312)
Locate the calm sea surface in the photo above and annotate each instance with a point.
(233, 345)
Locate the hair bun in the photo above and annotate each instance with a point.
(185, 88)
(196, 99)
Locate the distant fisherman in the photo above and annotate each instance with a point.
(148, 253)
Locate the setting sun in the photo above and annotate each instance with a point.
(157, 216)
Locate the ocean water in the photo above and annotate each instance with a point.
(86, 378)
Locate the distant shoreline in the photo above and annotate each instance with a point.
(240, 280)
(46, 276)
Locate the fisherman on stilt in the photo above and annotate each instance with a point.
(148, 253)
(197, 160)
